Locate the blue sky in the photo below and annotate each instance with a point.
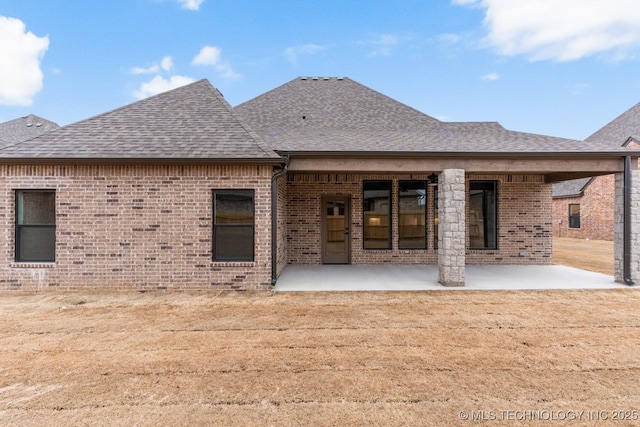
(562, 68)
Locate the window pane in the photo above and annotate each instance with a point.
(233, 231)
(412, 214)
(574, 216)
(36, 207)
(234, 207)
(233, 243)
(36, 244)
(483, 226)
(376, 207)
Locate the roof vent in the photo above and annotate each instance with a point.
(303, 78)
(38, 125)
(29, 125)
(314, 78)
(325, 78)
(340, 78)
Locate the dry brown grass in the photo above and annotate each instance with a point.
(238, 359)
(592, 255)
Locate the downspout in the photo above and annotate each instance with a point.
(274, 221)
(626, 259)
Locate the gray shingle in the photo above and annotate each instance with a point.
(617, 131)
(613, 134)
(24, 128)
(571, 188)
(339, 114)
(191, 122)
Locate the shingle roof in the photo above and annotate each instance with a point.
(613, 134)
(617, 131)
(191, 122)
(341, 115)
(24, 128)
(570, 188)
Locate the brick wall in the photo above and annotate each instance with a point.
(135, 227)
(596, 212)
(524, 220)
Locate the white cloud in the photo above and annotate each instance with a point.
(20, 54)
(212, 56)
(165, 64)
(490, 77)
(294, 52)
(383, 44)
(209, 55)
(159, 84)
(190, 4)
(153, 69)
(561, 30)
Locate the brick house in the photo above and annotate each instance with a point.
(584, 208)
(182, 191)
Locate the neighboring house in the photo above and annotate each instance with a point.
(24, 128)
(181, 190)
(584, 208)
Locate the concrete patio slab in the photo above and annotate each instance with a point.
(425, 277)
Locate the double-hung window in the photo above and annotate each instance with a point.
(35, 226)
(233, 225)
(574, 216)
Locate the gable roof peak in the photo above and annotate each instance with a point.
(193, 121)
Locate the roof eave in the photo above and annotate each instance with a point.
(509, 154)
(141, 161)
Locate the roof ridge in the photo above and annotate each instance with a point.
(394, 100)
(130, 104)
(254, 135)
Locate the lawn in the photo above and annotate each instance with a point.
(429, 358)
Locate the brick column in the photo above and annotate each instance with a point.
(451, 227)
(618, 229)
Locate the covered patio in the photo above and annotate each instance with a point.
(389, 277)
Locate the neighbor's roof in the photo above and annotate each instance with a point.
(614, 134)
(340, 115)
(193, 122)
(570, 188)
(24, 128)
(620, 129)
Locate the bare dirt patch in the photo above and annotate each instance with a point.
(592, 255)
(429, 358)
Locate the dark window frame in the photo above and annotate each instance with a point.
(390, 214)
(574, 218)
(19, 228)
(424, 219)
(214, 254)
(486, 226)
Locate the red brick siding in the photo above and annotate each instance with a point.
(135, 227)
(524, 221)
(596, 212)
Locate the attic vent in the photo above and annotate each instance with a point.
(314, 78)
(325, 78)
(340, 78)
(38, 125)
(303, 78)
(29, 125)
